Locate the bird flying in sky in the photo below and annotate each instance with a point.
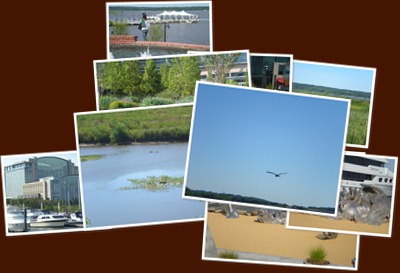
(276, 174)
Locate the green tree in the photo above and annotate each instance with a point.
(110, 77)
(156, 33)
(164, 75)
(132, 77)
(151, 81)
(246, 81)
(182, 76)
(218, 66)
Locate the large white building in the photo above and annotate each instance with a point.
(17, 177)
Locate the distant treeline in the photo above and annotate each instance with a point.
(176, 8)
(250, 200)
(335, 92)
(161, 124)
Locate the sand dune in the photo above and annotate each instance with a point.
(245, 235)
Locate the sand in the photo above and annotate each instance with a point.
(245, 235)
(316, 221)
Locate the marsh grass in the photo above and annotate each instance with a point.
(358, 122)
(90, 157)
(228, 254)
(154, 183)
(162, 124)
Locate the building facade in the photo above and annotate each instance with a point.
(270, 72)
(16, 176)
(65, 188)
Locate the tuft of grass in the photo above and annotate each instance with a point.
(90, 157)
(228, 254)
(317, 255)
(154, 183)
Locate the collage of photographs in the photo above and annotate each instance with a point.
(252, 144)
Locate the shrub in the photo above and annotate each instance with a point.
(317, 255)
(168, 94)
(119, 28)
(156, 33)
(105, 102)
(119, 134)
(122, 104)
(155, 101)
(186, 99)
(228, 255)
(135, 99)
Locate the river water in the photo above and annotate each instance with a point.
(195, 33)
(107, 205)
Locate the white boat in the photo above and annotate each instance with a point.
(361, 170)
(75, 220)
(16, 220)
(49, 220)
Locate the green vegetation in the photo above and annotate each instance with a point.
(155, 183)
(162, 124)
(90, 157)
(173, 81)
(228, 254)
(156, 33)
(317, 255)
(119, 28)
(38, 203)
(359, 109)
(358, 122)
(330, 91)
(219, 65)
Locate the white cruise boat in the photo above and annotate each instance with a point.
(49, 220)
(362, 170)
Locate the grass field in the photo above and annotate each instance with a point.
(358, 120)
(161, 124)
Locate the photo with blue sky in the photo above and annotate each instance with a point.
(240, 136)
(341, 81)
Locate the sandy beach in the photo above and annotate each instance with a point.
(245, 235)
(316, 221)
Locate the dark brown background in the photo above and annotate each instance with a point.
(47, 51)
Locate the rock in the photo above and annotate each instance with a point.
(272, 216)
(211, 209)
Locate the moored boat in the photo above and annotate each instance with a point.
(49, 220)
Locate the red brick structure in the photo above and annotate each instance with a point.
(132, 40)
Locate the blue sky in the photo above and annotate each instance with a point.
(336, 76)
(11, 159)
(238, 134)
(158, 4)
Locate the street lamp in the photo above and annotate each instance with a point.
(165, 31)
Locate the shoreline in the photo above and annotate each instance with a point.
(84, 145)
(318, 222)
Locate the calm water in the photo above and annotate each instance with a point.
(106, 205)
(196, 33)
